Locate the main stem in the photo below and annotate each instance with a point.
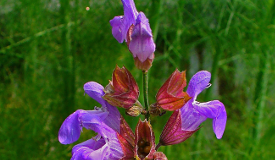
(145, 93)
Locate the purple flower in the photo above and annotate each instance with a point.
(105, 121)
(141, 39)
(194, 113)
(134, 28)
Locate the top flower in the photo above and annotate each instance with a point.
(134, 28)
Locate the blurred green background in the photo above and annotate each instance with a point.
(50, 48)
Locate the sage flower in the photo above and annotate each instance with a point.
(134, 28)
(193, 113)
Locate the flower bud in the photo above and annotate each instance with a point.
(171, 96)
(123, 90)
(172, 132)
(156, 110)
(141, 43)
(135, 110)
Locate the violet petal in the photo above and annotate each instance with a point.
(142, 44)
(216, 111)
(118, 28)
(130, 11)
(95, 90)
(190, 117)
(88, 147)
(113, 119)
(198, 83)
(69, 131)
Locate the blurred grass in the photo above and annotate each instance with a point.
(230, 38)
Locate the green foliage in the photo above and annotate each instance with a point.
(233, 39)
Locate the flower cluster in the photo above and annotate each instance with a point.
(114, 139)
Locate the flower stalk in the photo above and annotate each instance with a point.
(145, 93)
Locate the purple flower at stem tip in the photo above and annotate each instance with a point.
(194, 113)
(135, 29)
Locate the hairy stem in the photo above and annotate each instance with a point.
(145, 93)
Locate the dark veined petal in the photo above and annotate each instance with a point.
(95, 90)
(142, 44)
(198, 83)
(216, 111)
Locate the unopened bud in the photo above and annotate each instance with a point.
(135, 110)
(156, 110)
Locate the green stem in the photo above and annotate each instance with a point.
(145, 93)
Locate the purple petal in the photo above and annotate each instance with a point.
(120, 24)
(216, 111)
(95, 90)
(130, 11)
(190, 117)
(107, 147)
(88, 148)
(198, 83)
(69, 131)
(219, 122)
(142, 44)
(118, 28)
(113, 119)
